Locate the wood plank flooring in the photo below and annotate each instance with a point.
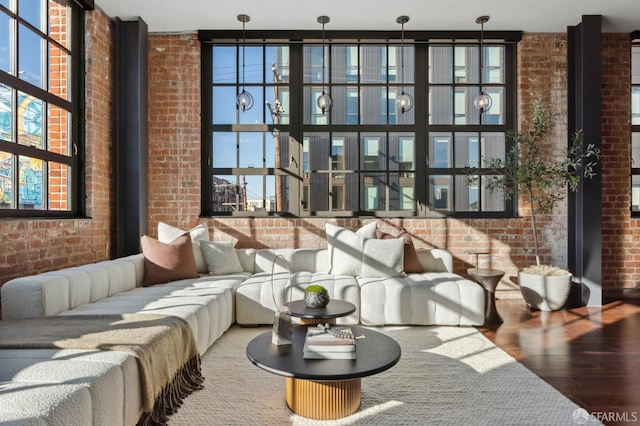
(591, 355)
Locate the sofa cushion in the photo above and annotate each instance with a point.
(167, 262)
(221, 258)
(345, 248)
(168, 233)
(383, 258)
(411, 262)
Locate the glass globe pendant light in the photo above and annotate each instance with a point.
(244, 100)
(324, 101)
(405, 101)
(483, 101)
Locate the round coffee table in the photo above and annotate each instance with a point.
(335, 309)
(324, 389)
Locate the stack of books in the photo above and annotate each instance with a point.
(321, 345)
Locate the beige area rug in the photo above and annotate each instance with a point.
(446, 376)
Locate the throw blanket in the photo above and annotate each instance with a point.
(163, 346)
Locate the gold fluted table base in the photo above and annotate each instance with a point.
(323, 400)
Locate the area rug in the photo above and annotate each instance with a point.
(446, 376)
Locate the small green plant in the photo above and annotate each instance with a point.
(315, 288)
(525, 170)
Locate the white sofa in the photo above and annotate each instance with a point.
(48, 386)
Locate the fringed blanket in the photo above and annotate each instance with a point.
(163, 346)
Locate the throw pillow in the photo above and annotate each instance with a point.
(221, 257)
(345, 248)
(168, 233)
(383, 258)
(167, 262)
(411, 261)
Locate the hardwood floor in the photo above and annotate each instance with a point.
(591, 355)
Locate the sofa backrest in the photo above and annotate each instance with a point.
(53, 292)
(262, 260)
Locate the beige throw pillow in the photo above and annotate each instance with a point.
(220, 257)
(383, 258)
(345, 248)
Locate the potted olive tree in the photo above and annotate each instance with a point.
(542, 183)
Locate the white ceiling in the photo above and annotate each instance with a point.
(170, 16)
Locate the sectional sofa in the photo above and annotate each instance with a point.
(102, 387)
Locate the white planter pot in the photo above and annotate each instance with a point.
(545, 293)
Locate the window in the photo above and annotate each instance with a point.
(363, 156)
(635, 127)
(40, 82)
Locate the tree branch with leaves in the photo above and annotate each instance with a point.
(526, 172)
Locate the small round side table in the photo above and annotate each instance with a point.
(488, 279)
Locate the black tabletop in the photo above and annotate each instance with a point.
(335, 309)
(375, 353)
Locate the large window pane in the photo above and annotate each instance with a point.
(224, 64)
(440, 150)
(224, 150)
(6, 113)
(441, 105)
(31, 11)
(374, 105)
(30, 47)
(493, 64)
(441, 65)
(635, 150)
(30, 121)
(373, 151)
(251, 151)
(344, 64)
(440, 192)
(6, 180)
(5, 43)
(224, 105)
(635, 193)
(495, 114)
(225, 193)
(374, 64)
(635, 105)
(31, 183)
(277, 67)
(467, 195)
(467, 149)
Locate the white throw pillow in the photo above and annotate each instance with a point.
(221, 257)
(167, 234)
(345, 248)
(383, 258)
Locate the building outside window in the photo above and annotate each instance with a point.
(635, 127)
(39, 87)
(363, 156)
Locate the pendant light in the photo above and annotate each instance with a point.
(405, 101)
(324, 101)
(244, 100)
(483, 101)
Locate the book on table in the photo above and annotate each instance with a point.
(321, 345)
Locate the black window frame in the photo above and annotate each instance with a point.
(296, 129)
(75, 105)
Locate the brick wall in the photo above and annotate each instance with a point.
(33, 246)
(620, 242)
